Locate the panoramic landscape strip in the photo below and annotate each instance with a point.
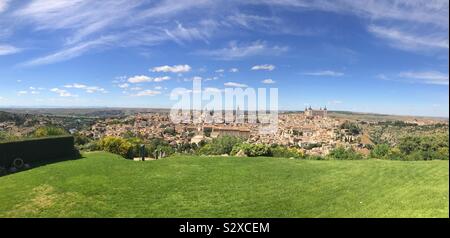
(224, 115)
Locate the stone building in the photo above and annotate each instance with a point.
(322, 112)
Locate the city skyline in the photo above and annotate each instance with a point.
(387, 57)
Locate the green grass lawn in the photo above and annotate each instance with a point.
(104, 185)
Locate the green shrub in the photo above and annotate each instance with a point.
(442, 153)
(81, 139)
(285, 152)
(220, 145)
(252, 150)
(49, 131)
(91, 146)
(380, 151)
(395, 154)
(314, 157)
(424, 147)
(162, 150)
(341, 153)
(6, 136)
(117, 145)
(170, 131)
(352, 128)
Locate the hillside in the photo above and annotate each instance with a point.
(105, 185)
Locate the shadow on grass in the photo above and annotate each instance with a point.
(33, 165)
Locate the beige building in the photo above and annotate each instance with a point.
(309, 112)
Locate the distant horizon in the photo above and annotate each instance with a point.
(164, 108)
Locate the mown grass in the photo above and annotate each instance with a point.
(105, 185)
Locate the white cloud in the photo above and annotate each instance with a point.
(139, 79)
(426, 77)
(23, 92)
(75, 85)
(180, 92)
(268, 81)
(70, 52)
(135, 88)
(8, 49)
(123, 85)
(85, 22)
(234, 70)
(236, 85)
(410, 41)
(416, 11)
(160, 79)
(328, 73)
(62, 92)
(144, 79)
(238, 51)
(267, 67)
(83, 17)
(94, 89)
(173, 69)
(147, 93)
(211, 78)
(158, 88)
(4, 5)
(220, 71)
(88, 89)
(181, 34)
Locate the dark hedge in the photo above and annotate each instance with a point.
(39, 150)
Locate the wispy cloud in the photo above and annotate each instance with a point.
(144, 79)
(327, 73)
(268, 81)
(426, 77)
(238, 51)
(418, 11)
(8, 50)
(181, 34)
(123, 85)
(267, 67)
(147, 93)
(62, 92)
(4, 5)
(83, 17)
(236, 85)
(71, 52)
(88, 89)
(172, 69)
(22, 92)
(410, 41)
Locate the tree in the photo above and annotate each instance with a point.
(380, 151)
(220, 145)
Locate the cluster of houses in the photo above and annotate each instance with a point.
(312, 129)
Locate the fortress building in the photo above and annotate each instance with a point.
(322, 112)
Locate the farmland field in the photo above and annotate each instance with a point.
(105, 185)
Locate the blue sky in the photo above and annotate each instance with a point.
(369, 56)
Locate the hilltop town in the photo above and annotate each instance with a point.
(316, 131)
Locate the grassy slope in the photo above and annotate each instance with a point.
(103, 185)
